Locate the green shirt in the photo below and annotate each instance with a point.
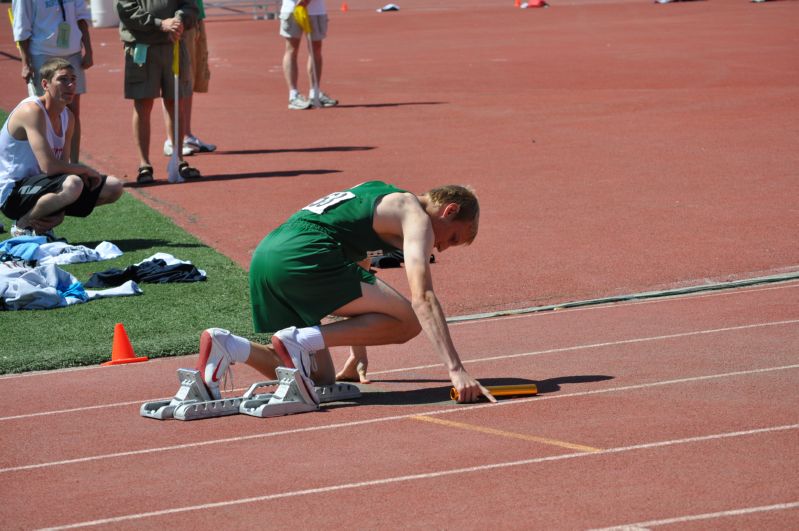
(347, 217)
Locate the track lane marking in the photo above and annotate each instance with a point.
(425, 475)
(349, 424)
(705, 516)
(476, 360)
(603, 344)
(613, 305)
(508, 434)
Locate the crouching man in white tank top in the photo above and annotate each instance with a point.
(38, 184)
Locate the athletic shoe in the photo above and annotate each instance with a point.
(214, 361)
(17, 231)
(187, 150)
(299, 103)
(326, 101)
(295, 356)
(197, 145)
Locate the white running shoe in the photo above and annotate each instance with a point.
(295, 356)
(325, 100)
(197, 145)
(187, 150)
(299, 103)
(214, 361)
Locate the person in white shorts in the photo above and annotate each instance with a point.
(291, 31)
(45, 29)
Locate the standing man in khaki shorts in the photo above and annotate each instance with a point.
(197, 47)
(148, 29)
(308, 268)
(292, 33)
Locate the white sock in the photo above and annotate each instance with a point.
(311, 338)
(312, 93)
(238, 347)
(293, 94)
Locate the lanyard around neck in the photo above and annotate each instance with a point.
(63, 11)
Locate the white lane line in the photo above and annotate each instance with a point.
(427, 475)
(614, 305)
(706, 516)
(604, 344)
(74, 410)
(435, 365)
(390, 418)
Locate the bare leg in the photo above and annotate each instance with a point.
(317, 55)
(264, 360)
(43, 214)
(169, 105)
(290, 62)
(185, 113)
(141, 129)
(112, 190)
(380, 317)
(184, 116)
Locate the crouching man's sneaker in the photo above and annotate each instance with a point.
(215, 359)
(17, 231)
(295, 356)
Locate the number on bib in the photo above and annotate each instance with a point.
(320, 205)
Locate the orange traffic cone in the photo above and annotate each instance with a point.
(122, 351)
(344, 7)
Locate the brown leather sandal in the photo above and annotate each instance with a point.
(187, 172)
(145, 175)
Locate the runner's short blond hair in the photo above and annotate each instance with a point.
(464, 197)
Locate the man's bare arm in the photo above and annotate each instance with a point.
(25, 57)
(30, 122)
(418, 240)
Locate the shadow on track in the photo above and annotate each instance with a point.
(232, 176)
(329, 149)
(439, 395)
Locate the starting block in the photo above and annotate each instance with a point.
(192, 401)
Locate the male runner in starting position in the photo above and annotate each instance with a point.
(308, 268)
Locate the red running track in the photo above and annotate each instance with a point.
(617, 146)
(679, 410)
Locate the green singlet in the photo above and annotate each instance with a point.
(307, 267)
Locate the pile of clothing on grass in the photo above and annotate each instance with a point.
(30, 278)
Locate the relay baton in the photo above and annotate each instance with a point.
(504, 390)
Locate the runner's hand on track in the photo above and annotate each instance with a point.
(469, 389)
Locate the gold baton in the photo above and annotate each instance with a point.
(504, 390)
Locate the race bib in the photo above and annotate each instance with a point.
(320, 205)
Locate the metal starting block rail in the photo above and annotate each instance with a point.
(192, 401)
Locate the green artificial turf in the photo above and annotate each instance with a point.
(166, 320)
